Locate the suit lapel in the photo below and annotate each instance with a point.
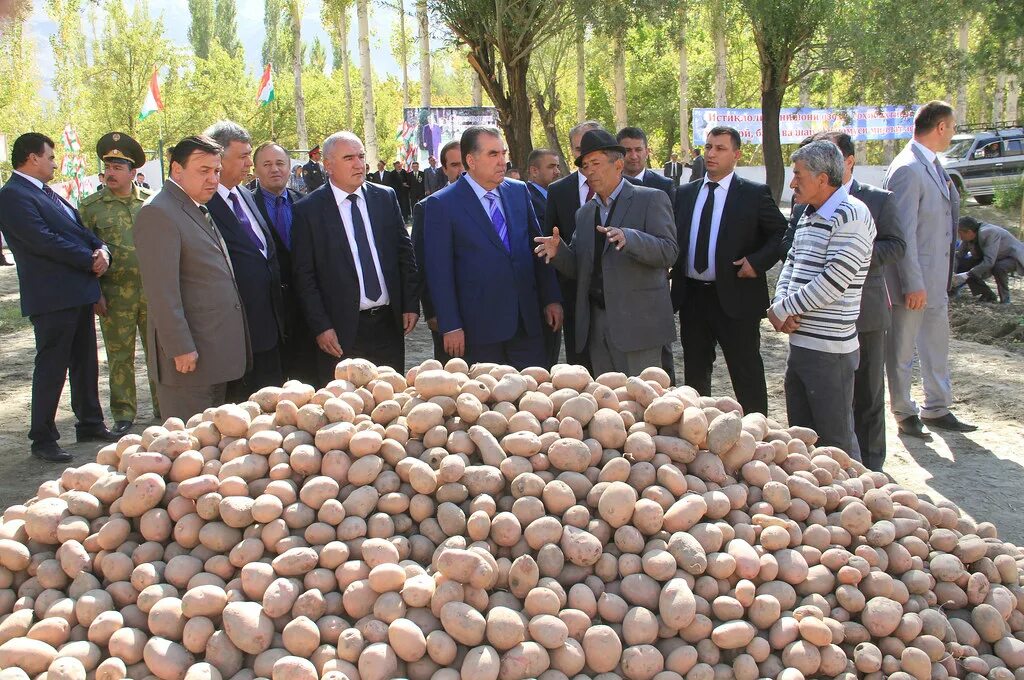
(623, 202)
(192, 210)
(376, 212)
(334, 232)
(932, 172)
(732, 200)
(480, 217)
(250, 201)
(685, 225)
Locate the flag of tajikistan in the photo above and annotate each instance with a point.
(265, 95)
(153, 102)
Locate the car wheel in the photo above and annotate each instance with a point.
(984, 200)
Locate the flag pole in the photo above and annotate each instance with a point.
(160, 146)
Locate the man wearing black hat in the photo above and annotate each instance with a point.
(312, 171)
(110, 214)
(623, 244)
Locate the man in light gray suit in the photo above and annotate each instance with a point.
(987, 250)
(918, 282)
(624, 242)
(197, 337)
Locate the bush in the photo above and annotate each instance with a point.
(1010, 195)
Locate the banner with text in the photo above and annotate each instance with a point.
(862, 123)
(424, 131)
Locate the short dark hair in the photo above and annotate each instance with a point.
(28, 144)
(968, 223)
(470, 137)
(631, 133)
(183, 150)
(533, 160)
(840, 139)
(720, 130)
(930, 115)
(263, 147)
(454, 144)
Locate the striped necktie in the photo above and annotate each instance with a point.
(497, 219)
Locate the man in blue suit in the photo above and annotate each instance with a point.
(491, 295)
(59, 264)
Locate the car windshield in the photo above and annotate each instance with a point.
(959, 148)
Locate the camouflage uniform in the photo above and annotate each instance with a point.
(111, 218)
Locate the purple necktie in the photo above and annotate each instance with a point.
(243, 219)
(497, 219)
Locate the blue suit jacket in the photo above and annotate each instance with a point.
(53, 251)
(475, 283)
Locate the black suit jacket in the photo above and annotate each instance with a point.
(540, 203)
(418, 249)
(378, 177)
(324, 269)
(697, 168)
(258, 277)
(752, 227)
(889, 246)
(417, 186)
(656, 181)
(313, 174)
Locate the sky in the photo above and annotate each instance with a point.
(250, 32)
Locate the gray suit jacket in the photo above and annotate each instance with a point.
(636, 289)
(929, 210)
(194, 305)
(995, 244)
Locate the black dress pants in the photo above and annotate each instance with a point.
(703, 325)
(65, 346)
(379, 339)
(869, 399)
(265, 372)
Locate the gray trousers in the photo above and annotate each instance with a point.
(185, 402)
(927, 332)
(819, 394)
(605, 357)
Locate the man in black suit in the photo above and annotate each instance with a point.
(417, 186)
(254, 259)
(730, 232)
(312, 171)
(275, 202)
(398, 179)
(140, 180)
(353, 264)
(452, 169)
(380, 176)
(59, 263)
(542, 169)
(565, 196)
(696, 165)
(875, 309)
(674, 169)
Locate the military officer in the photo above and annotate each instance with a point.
(110, 214)
(312, 171)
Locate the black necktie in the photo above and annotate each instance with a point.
(700, 257)
(371, 284)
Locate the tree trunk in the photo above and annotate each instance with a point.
(684, 86)
(424, 30)
(517, 125)
(888, 151)
(369, 115)
(805, 94)
(345, 66)
(581, 75)
(403, 54)
(300, 101)
(999, 98)
(547, 107)
(478, 90)
(721, 54)
(619, 60)
(960, 110)
(771, 138)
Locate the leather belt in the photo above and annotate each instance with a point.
(699, 283)
(375, 311)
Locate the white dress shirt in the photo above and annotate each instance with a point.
(345, 208)
(708, 274)
(225, 193)
(39, 184)
(584, 188)
(640, 177)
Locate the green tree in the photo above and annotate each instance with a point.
(225, 27)
(317, 56)
(335, 15)
(200, 29)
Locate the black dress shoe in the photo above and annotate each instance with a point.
(912, 427)
(51, 453)
(949, 422)
(121, 427)
(100, 434)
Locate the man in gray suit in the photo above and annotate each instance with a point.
(197, 336)
(623, 303)
(875, 311)
(987, 250)
(918, 282)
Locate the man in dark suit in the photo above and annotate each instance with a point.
(381, 176)
(491, 294)
(875, 310)
(59, 263)
(312, 171)
(565, 196)
(452, 169)
(433, 177)
(140, 180)
(275, 201)
(253, 257)
(398, 179)
(697, 165)
(730, 232)
(417, 186)
(674, 169)
(353, 265)
(542, 169)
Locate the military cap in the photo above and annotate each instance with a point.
(117, 146)
(315, 149)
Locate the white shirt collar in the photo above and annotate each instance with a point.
(340, 195)
(582, 178)
(225, 193)
(30, 178)
(828, 208)
(477, 189)
(640, 177)
(929, 155)
(849, 187)
(722, 183)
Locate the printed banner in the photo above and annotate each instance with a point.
(862, 123)
(428, 130)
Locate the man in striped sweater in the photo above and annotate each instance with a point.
(817, 300)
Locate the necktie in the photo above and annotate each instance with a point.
(590, 191)
(497, 219)
(700, 257)
(943, 175)
(52, 195)
(371, 284)
(243, 219)
(279, 221)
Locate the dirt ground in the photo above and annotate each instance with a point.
(983, 472)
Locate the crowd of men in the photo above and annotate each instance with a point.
(234, 288)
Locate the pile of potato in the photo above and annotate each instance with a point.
(484, 523)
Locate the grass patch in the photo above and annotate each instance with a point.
(11, 320)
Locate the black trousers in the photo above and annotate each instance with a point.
(869, 399)
(520, 351)
(703, 325)
(265, 372)
(379, 339)
(1000, 272)
(439, 352)
(553, 340)
(65, 346)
